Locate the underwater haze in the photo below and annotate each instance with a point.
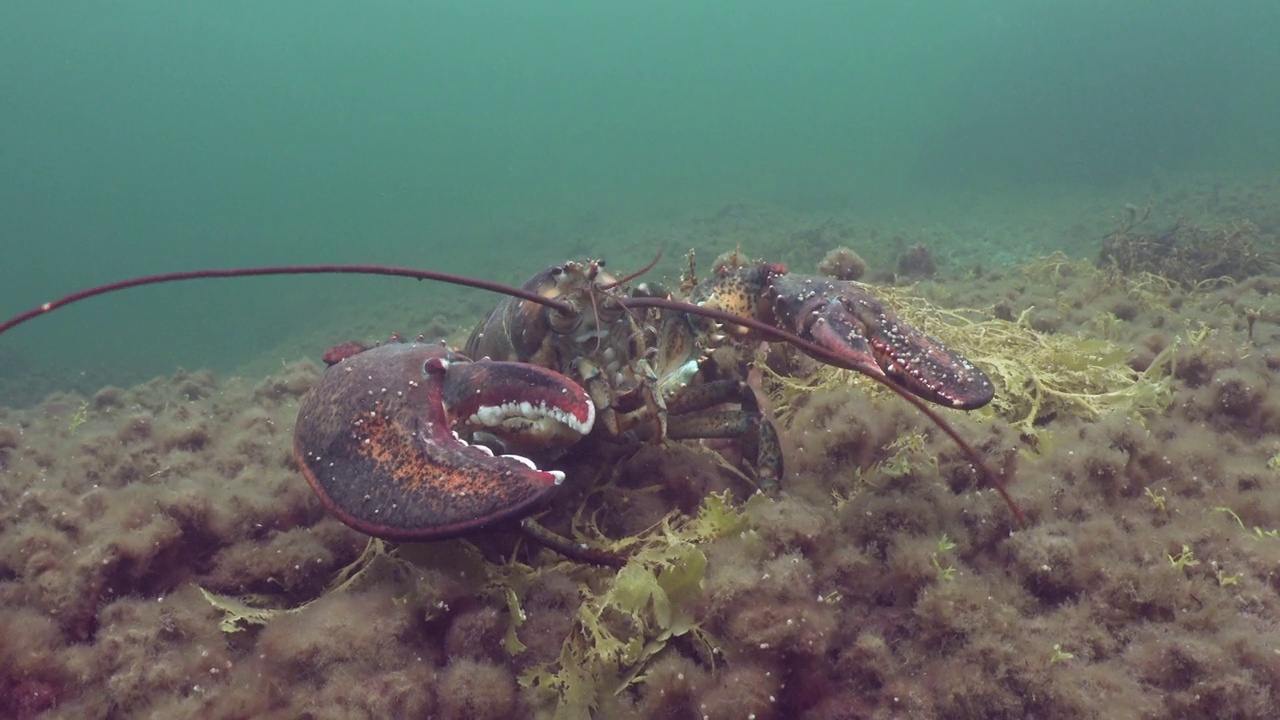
(494, 138)
(1051, 227)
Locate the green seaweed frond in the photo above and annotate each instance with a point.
(945, 545)
(787, 391)
(238, 615)
(1056, 266)
(1038, 375)
(1157, 499)
(1231, 513)
(79, 417)
(625, 622)
(900, 462)
(357, 569)
(907, 455)
(511, 640)
(405, 565)
(1258, 532)
(1184, 559)
(1060, 655)
(1273, 463)
(1106, 325)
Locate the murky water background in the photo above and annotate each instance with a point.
(146, 136)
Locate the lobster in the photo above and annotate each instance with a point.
(416, 441)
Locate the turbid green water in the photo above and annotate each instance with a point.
(142, 136)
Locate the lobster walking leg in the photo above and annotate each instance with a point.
(694, 414)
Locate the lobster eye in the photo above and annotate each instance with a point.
(434, 365)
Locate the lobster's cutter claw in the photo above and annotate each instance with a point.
(843, 318)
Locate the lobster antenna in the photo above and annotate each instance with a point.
(974, 456)
(283, 270)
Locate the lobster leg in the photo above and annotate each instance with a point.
(577, 552)
(693, 415)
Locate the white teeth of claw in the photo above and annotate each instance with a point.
(523, 461)
(496, 415)
(518, 458)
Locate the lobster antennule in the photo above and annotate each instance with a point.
(636, 274)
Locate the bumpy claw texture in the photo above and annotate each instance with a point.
(842, 317)
(377, 439)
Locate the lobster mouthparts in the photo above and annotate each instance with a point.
(376, 439)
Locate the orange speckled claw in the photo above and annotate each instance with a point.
(376, 440)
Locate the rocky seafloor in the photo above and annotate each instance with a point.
(162, 556)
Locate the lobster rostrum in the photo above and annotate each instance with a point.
(416, 441)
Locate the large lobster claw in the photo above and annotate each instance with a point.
(377, 439)
(843, 318)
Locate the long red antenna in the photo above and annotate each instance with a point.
(283, 270)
